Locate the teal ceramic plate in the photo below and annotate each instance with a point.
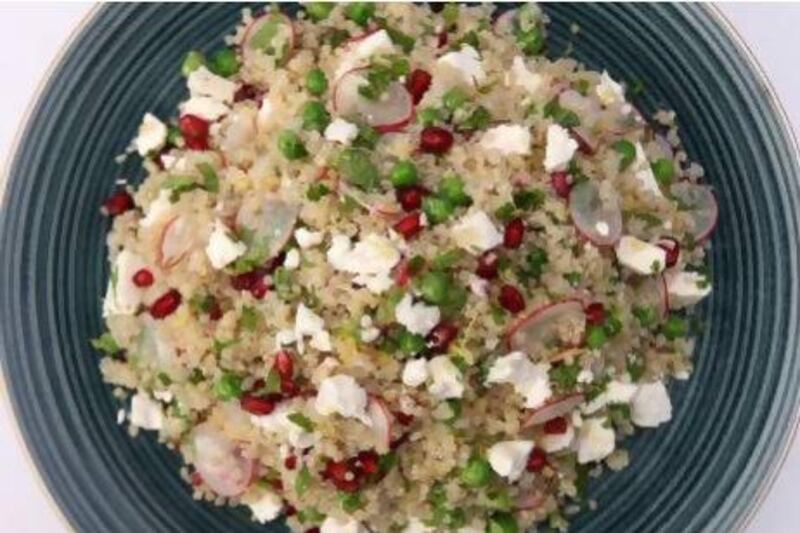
(707, 470)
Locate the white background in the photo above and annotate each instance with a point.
(31, 35)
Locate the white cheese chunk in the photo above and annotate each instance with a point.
(651, 406)
(476, 233)
(520, 76)
(292, 260)
(202, 82)
(508, 458)
(640, 256)
(222, 250)
(531, 381)
(415, 525)
(309, 324)
(467, 63)
(643, 172)
(146, 413)
(608, 91)
(418, 318)
(358, 52)
(267, 508)
(560, 148)
(341, 131)
(446, 380)
(308, 239)
(372, 259)
(617, 392)
(508, 139)
(278, 423)
(595, 440)
(556, 442)
(123, 297)
(265, 112)
(152, 135)
(415, 373)
(205, 108)
(334, 525)
(342, 395)
(686, 288)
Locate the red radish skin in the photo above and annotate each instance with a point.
(402, 273)
(531, 498)
(554, 408)
(673, 249)
(586, 144)
(175, 243)
(520, 332)
(118, 203)
(391, 113)
(382, 421)
(220, 462)
(703, 207)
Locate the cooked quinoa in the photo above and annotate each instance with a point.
(397, 270)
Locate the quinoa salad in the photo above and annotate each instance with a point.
(395, 268)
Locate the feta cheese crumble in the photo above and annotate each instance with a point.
(146, 413)
(508, 458)
(640, 256)
(371, 259)
(608, 91)
(651, 406)
(520, 76)
(292, 260)
(205, 108)
(467, 63)
(308, 239)
(595, 440)
(560, 148)
(152, 135)
(446, 379)
(341, 131)
(686, 288)
(531, 381)
(358, 52)
(309, 324)
(266, 508)
(643, 172)
(476, 233)
(123, 297)
(335, 525)
(341, 394)
(507, 139)
(202, 82)
(278, 423)
(222, 250)
(418, 318)
(415, 373)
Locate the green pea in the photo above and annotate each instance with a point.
(476, 473)
(193, 61)
(429, 116)
(357, 168)
(410, 343)
(478, 120)
(528, 199)
(225, 63)
(627, 152)
(596, 337)
(505, 212)
(531, 41)
(291, 146)
(664, 171)
(360, 12)
(451, 188)
(367, 137)
(675, 328)
(228, 387)
(645, 315)
(454, 99)
(535, 262)
(502, 523)
(404, 174)
(316, 82)
(436, 209)
(318, 11)
(315, 116)
(434, 286)
(612, 326)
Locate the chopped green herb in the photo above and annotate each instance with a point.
(106, 343)
(302, 421)
(476, 473)
(178, 185)
(228, 387)
(429, 116)
(499, 499)
(455, 301)
(454, 99)
(416, 264)
(282, 280)
(387, 461)
(565, 377)
(350, 501)
(613, 325)
(367, 137)
(193, 61)
(291, 146)
(410, 343)
(675, 328)
(635, 368)
(335, 36)
(318, 11)
(535, 261)
(531, 41)
(433, 287)
(164, 378)
(310, 515)
(447, 260)
(528, 200)
(316, 191)
(450, 14)
(596, 337)
(174, 135)
(196, 376)
(561, 115)
(357, 169)
(646, 316)
(505, 212)
(360, 12)
(664, 171)
(403, 40)
(470, 38)
(581, 86)
(302, 482)
(502, 523)
(210, 179)
(220, 345)
(451, 188)
(479, 119)
(250, 319)
(385, 312)
(626, 151)
(573, 278)
(381, 74)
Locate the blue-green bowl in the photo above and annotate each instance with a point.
(707, 470)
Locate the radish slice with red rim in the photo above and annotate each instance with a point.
(699, 201)
(391, 112)
(271, 34)
(597, 218)
(220, 463)
(370, 203)
(175, 242)
(554, 408)
(271, 221)
(548, 327)
(529, 499)
(381, 419)
(652, 292)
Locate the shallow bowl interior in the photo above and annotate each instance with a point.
(733, 419)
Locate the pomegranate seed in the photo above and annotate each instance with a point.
(166, 304)
(405, 419)
(143, 278)
(290, 462)
(435, 140)
(595, 314)
(342, 476)
(487, 265)
(259, 289)
(537, 460)
(312, 530)
(246, 281)
(442, 39)
(277, 484)
(199, 144)
(284, 364)
(513, 234)
(402, 273)
(118, 203)
(289, 510)
(562, 183)
(196, 479)
(289, 388)
(511, 299)
(256, 404)
(273, 264)
(409, 225)
(441, 336)
(673, 249)
(419, 81)
(215, 311)
(410, 198)
(246, 92)
(368, 461)
(193, 127)
(556, 426)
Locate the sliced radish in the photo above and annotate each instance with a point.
(652, 292)
(701, 204)
(587, 143)
(391, 112)
(545, 327)
(175, 242)
(522, 179)
(220, 463)
(565, 355)
(529, 499)
(505, 22)
(381, 419)
(272, 220)
(596, 218)
(554, 408)
(372, 204)
(272, 34)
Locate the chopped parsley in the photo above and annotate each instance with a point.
(302, 421)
